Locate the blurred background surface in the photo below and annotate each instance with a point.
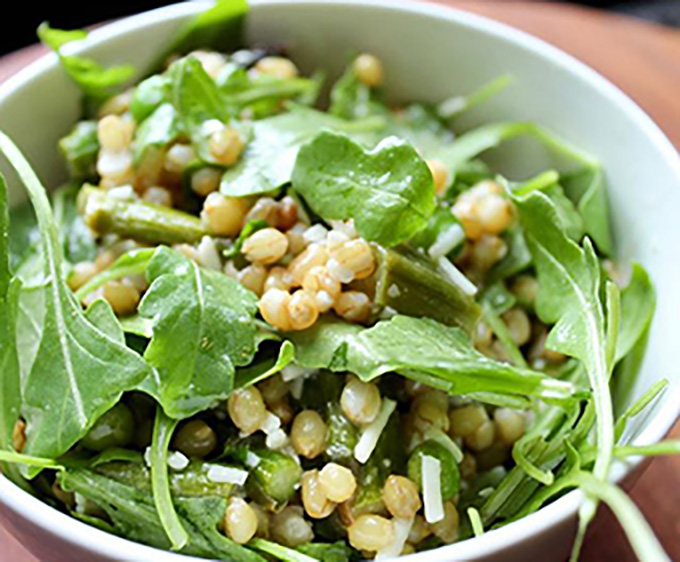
(68, 14)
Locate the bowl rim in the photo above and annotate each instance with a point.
(104, 544)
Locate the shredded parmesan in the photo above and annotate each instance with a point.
(431, 470)
(252, 460)
(296, 388)
(402, 527)
(271, 423)
(371, 433)
(292, 372)
(446, 241)
(276, 439)
(456, 277)
(227, 474)
(177, 461)
(315, 234)
(208, 255)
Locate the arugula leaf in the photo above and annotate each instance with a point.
(203, 328)
(569, 285)
(455, 105)
(149, 95)
(280, 552)
(133, 262)
(640, 404)
(268, 160)
(196, 99)
(419, 125)
(638, 531)
(638, 302)
(80, 148)
(586, 187)
(219, 27)
(72, 353)
(96, 81)
(76, 238)
(160, 483)
(263, 369)
(10, 385)
(351, 98)
(422, 350)
(388, 191)
(158, 130)
(134, 517)
(101, 315)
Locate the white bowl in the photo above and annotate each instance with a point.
(430, 52)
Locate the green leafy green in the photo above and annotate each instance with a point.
(134, 516)
(10, 385)
(351, 98)
(569, 286)
(268, 160)
(422, 350)
(196, 99)
(388, 191)
(160, 482)
(260, 370)
(77, 240)
(158, 130)
(280, 552)
(72, 352)
(456, 105)
(203, 328)
(133, 262)
(96, 81)
(219, 27)
(640, 404)
(80, 149)
(149, 95)
(638, 302)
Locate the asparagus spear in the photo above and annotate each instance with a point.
(409, 282)
(138, 220)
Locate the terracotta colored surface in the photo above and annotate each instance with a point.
(644, 61)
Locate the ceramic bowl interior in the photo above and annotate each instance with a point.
(429, 53)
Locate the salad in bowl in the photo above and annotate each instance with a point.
(273, 316)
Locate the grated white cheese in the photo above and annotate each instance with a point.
(123, 193)
(208, 256)
(456, 277)
(291, 372)
(315, 234)
(252, 460)
(446, 241)
(80, 503)
(211, 126)
(371, 433)
(271, 423)
(335, 239)
(227, 474)
(393, 291)
(431, 470)
(177, 461)
(402, 527)
(147, 457)
(276, 439)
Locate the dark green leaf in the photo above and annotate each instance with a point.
(569, 296)
(196, 99)
(388, 191)
(10, 385)
(71, 354)
(265, 368)
(77, 240)
(218, 27)
(268, 160)
(96, 81)
(203, 328)
(423, 350)
(160, 482)
(159, 130)
(132, 513)
(80, 148)
(638, 302)
(149, 95)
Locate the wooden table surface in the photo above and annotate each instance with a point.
(644, 61)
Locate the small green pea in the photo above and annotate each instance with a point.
(195, 439)
(450, 475)
(113, 429)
